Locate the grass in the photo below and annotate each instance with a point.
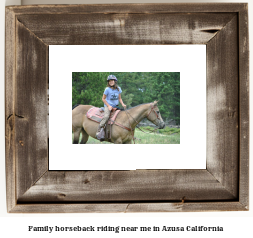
(166, 131)
(162, 136)
(156, 138)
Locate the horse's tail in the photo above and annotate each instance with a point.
(75, 106)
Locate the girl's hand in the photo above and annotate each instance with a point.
(124, 106)
(110, 108)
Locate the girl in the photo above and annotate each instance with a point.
(111, 99)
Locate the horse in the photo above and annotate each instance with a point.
(119, 135)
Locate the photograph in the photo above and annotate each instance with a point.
(126, 107)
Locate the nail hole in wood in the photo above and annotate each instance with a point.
(61, 195)
(86, 181)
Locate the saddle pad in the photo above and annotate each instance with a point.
(95, 114)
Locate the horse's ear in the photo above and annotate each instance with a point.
(155, 103)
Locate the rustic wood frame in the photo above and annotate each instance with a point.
(223, 186)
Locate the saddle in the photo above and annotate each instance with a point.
(96, 114)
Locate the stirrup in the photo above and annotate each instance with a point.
(100, 135)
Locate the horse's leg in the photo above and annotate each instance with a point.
(85, 137)
(128, 142)
(118, 141)
(76, 135)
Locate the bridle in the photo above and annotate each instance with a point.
(152, 109)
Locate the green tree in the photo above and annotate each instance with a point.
(88, 88)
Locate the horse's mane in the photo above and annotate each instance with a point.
(75, 106)
(138, 105)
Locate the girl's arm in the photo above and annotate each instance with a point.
(120, 100)
(106, 103)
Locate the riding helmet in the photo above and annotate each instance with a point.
(111, 77)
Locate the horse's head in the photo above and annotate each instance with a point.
(154, 116)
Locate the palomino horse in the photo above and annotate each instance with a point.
(129, 118)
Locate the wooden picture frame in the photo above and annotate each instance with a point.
(222, 186)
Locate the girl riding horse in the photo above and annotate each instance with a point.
(111, 99)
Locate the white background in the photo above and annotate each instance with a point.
(189, 60)
(236, 224)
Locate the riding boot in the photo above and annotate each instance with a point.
(100, 133)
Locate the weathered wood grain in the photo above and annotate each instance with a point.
(222, 107)
(129, 207)
(139, 185)
(118, 29)
(244, 106)
(155, 8)
(186, 207)
(30, 108)
(70, 208)
(10, 65)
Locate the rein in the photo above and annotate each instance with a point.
(147, 129)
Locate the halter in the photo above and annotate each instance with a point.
(152, 109)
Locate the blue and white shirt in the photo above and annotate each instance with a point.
(112, 96)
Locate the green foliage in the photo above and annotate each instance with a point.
(137, 87)
(88, 88)
(166, 131)
(128, 98)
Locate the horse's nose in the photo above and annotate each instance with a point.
(162, 125)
